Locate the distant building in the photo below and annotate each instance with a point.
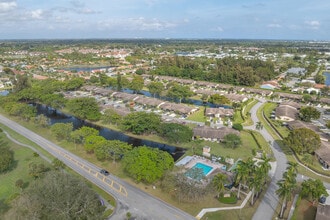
(296, 71)
(213, 134)
(323, 210)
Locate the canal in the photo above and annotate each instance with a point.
(57, 116)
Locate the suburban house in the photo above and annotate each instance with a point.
(178, 108)
(296, 71)
(287, 111)
(212, 134)
(300, 124)
(219, 112)
(323, 155)
(236, 97)
(323, 210)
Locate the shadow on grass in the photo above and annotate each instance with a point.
(4, 207)
(286, 150)
(310, 212)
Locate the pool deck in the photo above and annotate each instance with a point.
(197, 159)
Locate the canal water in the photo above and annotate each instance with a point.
(188, 101)
(327, 78)
(56, 116)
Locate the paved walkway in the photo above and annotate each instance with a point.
(204, 211)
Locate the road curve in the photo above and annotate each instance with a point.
(270, 200)
(141, 205)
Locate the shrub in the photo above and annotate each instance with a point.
(228, 200)
(237, 127)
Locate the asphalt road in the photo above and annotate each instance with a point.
(129, 199)
(270, 201)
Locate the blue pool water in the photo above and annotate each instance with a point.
(206, 169)
(194, 172)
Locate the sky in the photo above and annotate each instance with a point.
(202, 19)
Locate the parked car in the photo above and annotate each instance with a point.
(104, 172)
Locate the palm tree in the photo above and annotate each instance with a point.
(292, 169)
(219, 182)
(287, 184)
(255, 183)
(242, 175)
(265, 166)
(284, 192)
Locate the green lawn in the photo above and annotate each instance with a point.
(245, 213)
(268, 108)
(198, 115)
(243, 152)
(304, 210)
(248, 121)
(23, 157)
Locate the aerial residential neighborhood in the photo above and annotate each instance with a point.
(210, 130)
(164, 110)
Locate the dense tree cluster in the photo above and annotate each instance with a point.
(84, 108)
(58, 196)
(253, 174)
(6, 157)
(309, 113)
(176, 133)
(303, 140)
(141, 123)
(147, 164)
(227, 70)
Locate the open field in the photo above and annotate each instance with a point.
(23, 157)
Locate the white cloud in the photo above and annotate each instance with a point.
(37, 14)
(137, 24)
(274, 25)
(7, 6)
(313, 24)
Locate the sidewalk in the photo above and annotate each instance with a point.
(204, 211)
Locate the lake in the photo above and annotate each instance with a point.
(87, 68)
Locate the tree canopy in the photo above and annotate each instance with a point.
(62, 131)
(58, 196)
(141, 122)
(84, 108)
(147, 164)
(6, 157)
(313, 189)
(137, 83)
(219, 99)
(155, 88)
(232, 140)
(177, 91)
(176, 133)
(308, 113)
(303, 140)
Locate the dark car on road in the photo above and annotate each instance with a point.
(104, 172)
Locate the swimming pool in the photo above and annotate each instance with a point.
(205, 169)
